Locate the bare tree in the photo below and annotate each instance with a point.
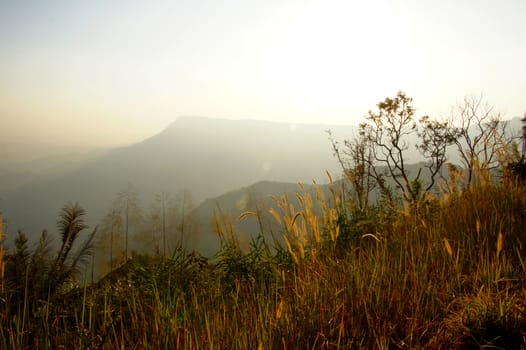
(479, 134)
(435, 136)
(129, 205)
(388, 131)
(159, 217)
(356, 160)
(110, 239)
(185, 223)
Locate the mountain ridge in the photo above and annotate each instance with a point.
(206, 156)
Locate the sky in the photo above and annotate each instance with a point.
(106, 73)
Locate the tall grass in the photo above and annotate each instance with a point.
(447, 273)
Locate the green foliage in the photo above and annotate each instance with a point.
(237, 266)
(353, 226)
(518, 169)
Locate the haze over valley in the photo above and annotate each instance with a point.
(279, 174)
(92, 96)
(198, 157)
(205, 157)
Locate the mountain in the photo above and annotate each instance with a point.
(206, 156)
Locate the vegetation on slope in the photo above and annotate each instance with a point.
(444, 270)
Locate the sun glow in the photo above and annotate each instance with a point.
(330, 55)
(108, 74)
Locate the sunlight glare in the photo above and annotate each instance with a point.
(336, 51)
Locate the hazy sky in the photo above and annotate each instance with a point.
(113, 72)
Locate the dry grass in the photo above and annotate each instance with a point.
(2, 252)
(446, 274)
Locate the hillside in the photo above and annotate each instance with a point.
(207, 157)
(227, 208)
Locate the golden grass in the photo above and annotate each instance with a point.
(446, 274)
(2, 252)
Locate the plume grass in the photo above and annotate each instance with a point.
(448, 273)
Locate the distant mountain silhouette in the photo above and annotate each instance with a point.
(206, 156)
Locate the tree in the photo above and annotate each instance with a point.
(388, 131)
(479, 135)
(159, 217)
(435, 136)
(356, 161)
(184, 222)
(380, 151)
(111, 239)
(122, 219)
(129, 205)
(2, 254)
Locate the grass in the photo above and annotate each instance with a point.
(447, 274)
